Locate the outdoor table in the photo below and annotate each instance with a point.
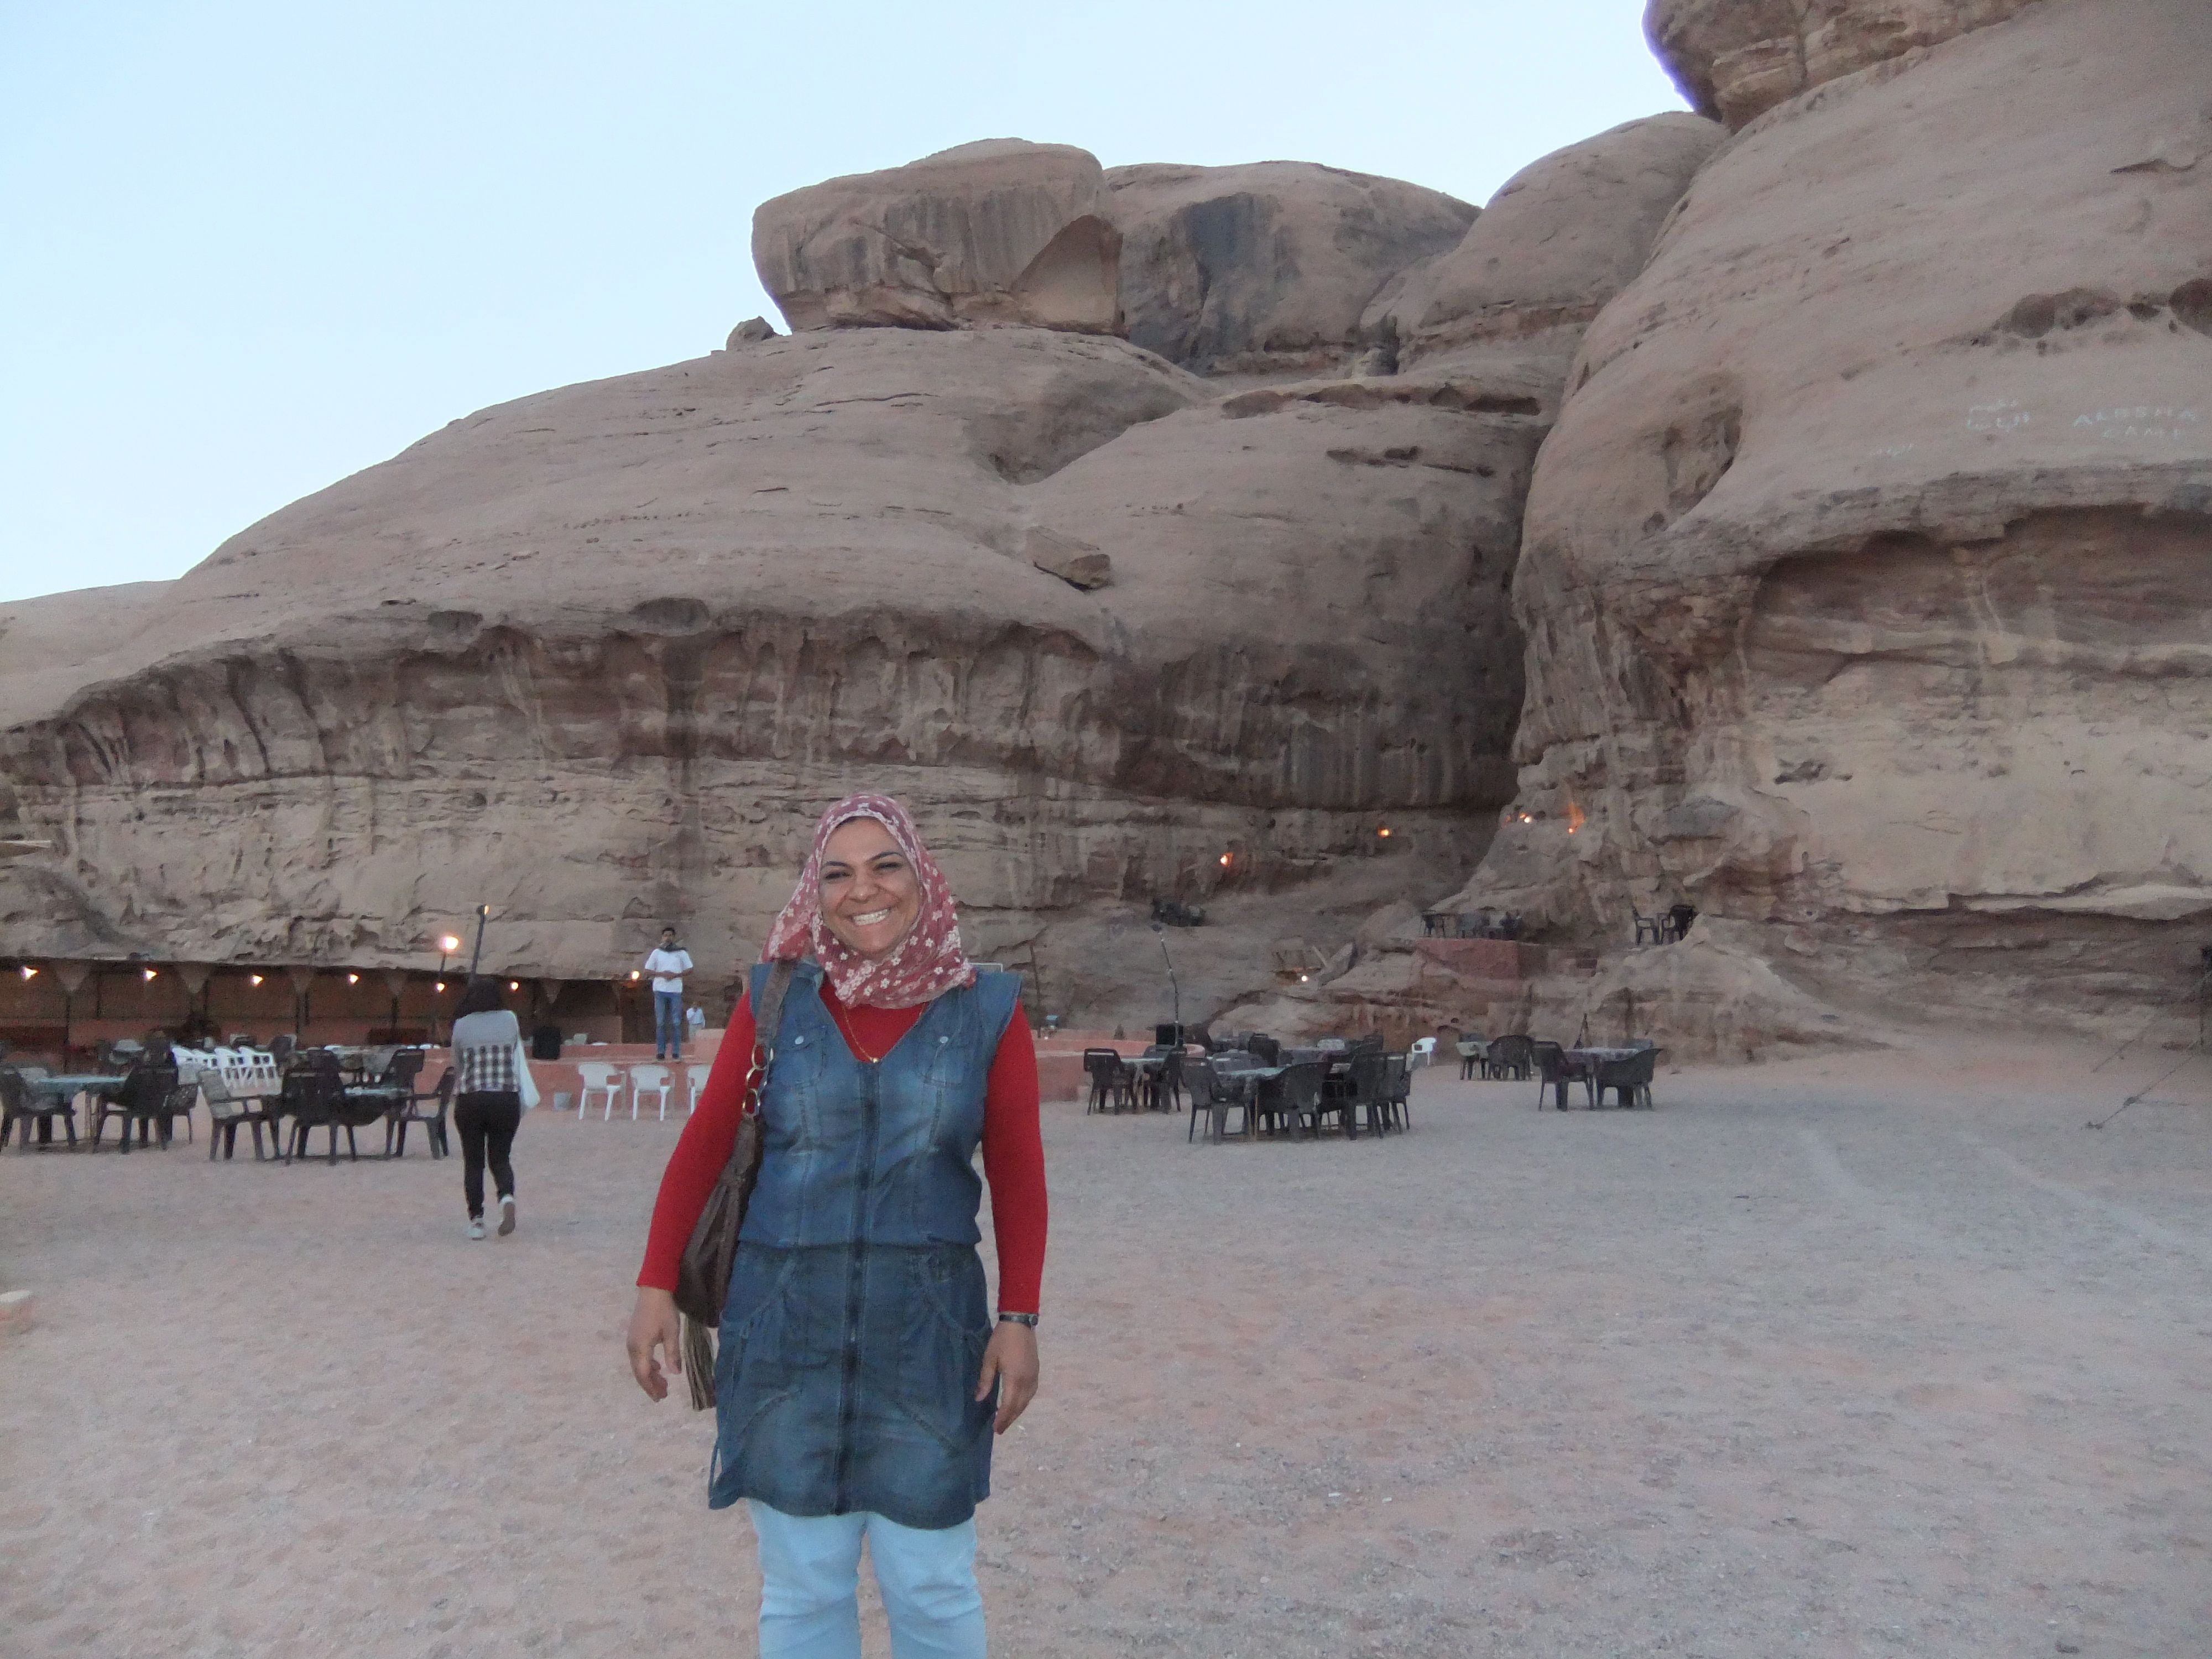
(67, 1087)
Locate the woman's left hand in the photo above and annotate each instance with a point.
(1010, 1361)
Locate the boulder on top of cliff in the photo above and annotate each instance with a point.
(1002, 232)
(1266, 267)
(1559, 239)
(1868, 570)
(1734, 59)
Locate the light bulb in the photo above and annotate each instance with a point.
(352, 979)
(146, 972)
(439, 987)
(29, 972)
(253, 979)
(449, 944)
(514, 985)
(1225, 861)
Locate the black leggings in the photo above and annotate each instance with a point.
(487, 1123)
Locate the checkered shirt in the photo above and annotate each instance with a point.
(488, 1070)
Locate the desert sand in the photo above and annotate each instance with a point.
(1865, 1354)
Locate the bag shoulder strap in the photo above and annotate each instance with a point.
(768, 1018)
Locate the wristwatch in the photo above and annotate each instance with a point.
(1029, 1320)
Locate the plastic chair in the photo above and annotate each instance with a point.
(227, 1111)
(1470, 1055)
(696, 1076)
(1555, 1070)
(1510, 1057)
(1423, 1051)
(1630, 1079)
(600, 1078)
(647, 1080)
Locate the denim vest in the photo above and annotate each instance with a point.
(857, 1316)
(854, 1153)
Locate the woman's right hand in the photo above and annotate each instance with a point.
(654, 1323)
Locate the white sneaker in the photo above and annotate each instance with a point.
(507, 1215)
(475, 1227)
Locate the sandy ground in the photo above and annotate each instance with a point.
(1856, 1356)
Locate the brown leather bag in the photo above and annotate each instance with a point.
(702, 1278)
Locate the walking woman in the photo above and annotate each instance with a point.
(860, 1374)
(492, 1086)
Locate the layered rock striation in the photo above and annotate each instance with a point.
(597, 656)
(1864, 573)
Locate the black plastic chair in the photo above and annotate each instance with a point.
(1555, 1070)
(430, 1110)
(1630, 1079)
(22, 1106)
(143, 1100)
(1215, 1101)
(1265, 1048)
(1368, 1092)
(1113, 1081)
(1165, 1085)
(1510, 1056)
(1397, 1092)
(1295, 1101)
(314, 1098)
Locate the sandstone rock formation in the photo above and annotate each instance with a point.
(998, 232)
(1560, 239)
(595, 657)
(1865, 573)
(1735, 60)
(1267, 268)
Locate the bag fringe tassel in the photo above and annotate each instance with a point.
(699, 1362)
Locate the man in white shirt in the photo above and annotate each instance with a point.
(668, 963)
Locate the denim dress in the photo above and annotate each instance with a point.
(857, 1315)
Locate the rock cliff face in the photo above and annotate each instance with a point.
(1267, 268)
(1735, 60)
(998, 232)
(596, 656)
(1865, 573)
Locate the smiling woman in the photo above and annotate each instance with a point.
(858, 1361)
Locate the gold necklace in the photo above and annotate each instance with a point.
(845, 1024)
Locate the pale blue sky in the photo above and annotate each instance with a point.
(250, 247)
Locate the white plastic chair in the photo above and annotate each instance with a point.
(697, 1076)
(600, 1078)
(645, 1080)
(1423, 1051)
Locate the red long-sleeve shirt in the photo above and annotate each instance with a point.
(1013, 1149)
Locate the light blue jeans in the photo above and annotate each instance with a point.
(810, 1580)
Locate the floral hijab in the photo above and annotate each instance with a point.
(924, 965)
